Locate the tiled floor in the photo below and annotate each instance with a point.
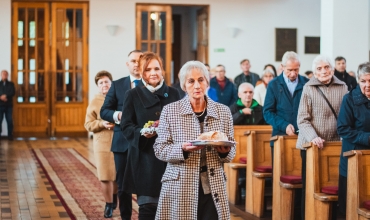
(25, 192)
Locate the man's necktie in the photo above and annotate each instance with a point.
(136, 81)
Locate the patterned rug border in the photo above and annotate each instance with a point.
(68, 210)
(74, 212)
(75, 151)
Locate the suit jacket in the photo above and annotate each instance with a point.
(142, 166)
(241, 78)
(9, 90)
(180, 183)
(114, 102)
(281, 109)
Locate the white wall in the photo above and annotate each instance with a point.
(5, 43)
(345, 30)
(256, 19)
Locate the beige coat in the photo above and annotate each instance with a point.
(102, 140)
(315, 118)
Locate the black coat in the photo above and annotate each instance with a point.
(345, 77)
(256, 118)
(353, 125)
(144, 171)
(241, 78)
(8, 90)
(178, 87)
(114, 102)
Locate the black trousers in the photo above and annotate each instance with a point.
(342, 194)
(125, 199)
(8, 112)
(147, 211)
(206, 206)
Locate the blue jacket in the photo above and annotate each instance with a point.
(228, 96)
(280, 108)
(353, 125)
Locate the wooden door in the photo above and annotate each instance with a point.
(153, 33)
(49, 64)
(30, 68)
(202, 45)
(69, 60)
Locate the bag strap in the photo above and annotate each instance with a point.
(327, 101)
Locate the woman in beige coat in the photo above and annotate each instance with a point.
(317, 123)
(103, 133)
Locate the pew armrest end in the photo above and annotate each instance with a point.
(325, 197)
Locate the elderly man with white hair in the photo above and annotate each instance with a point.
(317, 114)
(246, 110)
(283, 97)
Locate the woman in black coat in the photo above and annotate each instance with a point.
(142, 104)
(353, 127)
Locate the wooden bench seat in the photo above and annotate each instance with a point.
(258, 154)
(287, 162)
(232, 169)
(322, 170)
(358, 184)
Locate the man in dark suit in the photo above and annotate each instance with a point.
(341, 73)
(112, 111)
(281, 104)
(246, 75)
(7, 91)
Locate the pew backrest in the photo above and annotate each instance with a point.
(258, 148)
(289, 157)
(241, 140)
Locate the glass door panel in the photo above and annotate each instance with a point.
(154, 34)
(69, 66)
(202, 46)
(69, 54)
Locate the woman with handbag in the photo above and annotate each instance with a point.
(318, 109)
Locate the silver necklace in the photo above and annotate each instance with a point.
(204, 110)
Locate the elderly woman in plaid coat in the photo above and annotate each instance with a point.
(194, 183)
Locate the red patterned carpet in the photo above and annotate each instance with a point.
(75, 182)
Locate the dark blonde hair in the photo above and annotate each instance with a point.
(145, 59)
(101, 74)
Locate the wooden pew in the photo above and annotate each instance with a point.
(258, 155)
(358, 184)
(240, 133)
(321, 171)
(232, 169)
(287, 162)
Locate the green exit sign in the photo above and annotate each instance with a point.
(219, 50)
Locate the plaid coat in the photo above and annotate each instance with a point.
(179, 193)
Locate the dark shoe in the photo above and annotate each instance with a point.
(108, 211)
(114, 205)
